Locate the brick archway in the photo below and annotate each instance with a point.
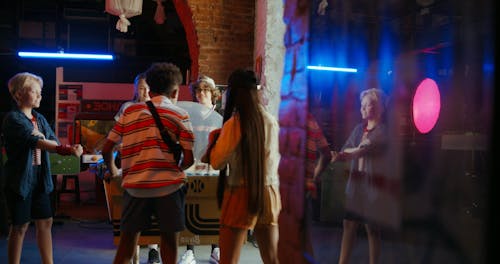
(186, 16)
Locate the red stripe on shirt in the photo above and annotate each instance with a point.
(152, 185)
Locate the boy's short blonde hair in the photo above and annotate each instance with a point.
(18, 84)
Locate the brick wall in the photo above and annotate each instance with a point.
(223, 33)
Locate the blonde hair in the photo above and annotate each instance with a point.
(377, 96)
(18, 84)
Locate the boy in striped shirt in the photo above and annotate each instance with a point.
(150, 176)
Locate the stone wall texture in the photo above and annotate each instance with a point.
(270, 49)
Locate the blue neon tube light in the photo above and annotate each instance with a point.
(337, 69)
(55, 55)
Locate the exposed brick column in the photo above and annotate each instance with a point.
(292, 116)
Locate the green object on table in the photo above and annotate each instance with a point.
(64, 164)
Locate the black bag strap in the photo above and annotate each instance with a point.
(163, 132)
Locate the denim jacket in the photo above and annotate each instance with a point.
(19, 145)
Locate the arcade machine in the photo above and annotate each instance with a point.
(202, 213)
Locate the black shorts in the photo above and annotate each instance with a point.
(168, 210)
(37, 204)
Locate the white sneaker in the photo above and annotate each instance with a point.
(215, 256)
(187, 258)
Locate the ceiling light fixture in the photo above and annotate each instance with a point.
(62, 55)
(336, 69)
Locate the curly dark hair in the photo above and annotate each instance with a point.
(162, 77)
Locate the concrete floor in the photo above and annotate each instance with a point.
(84, 242)
(84, 235)
(91, 241)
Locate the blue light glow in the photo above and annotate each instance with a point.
(48, 55)
(387, 51)
(336, 69)
(488, 67)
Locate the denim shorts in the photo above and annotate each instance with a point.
(37, 204)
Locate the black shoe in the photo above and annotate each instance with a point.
(251, 239)
(153, 256)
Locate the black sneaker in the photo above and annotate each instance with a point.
(153, 256)
(251, 239)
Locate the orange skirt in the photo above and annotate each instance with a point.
(234, 211)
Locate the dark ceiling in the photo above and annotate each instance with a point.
(84, 26)
(399, 28)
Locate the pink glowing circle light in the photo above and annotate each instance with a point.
(426, 105)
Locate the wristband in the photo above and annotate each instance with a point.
(64, 150)
(310, 184)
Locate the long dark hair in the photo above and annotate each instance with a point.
(243, 100)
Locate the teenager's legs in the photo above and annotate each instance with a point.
(373, 243)
(137, 254)
(348, 239)
(15, 244)
(168, 247)
(126, 247)
(267, 238)
(44, 239)
(231, 241)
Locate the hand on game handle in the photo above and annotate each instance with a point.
(212, 138)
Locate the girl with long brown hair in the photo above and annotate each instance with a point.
(248, 146)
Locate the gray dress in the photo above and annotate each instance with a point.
(372, 192)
